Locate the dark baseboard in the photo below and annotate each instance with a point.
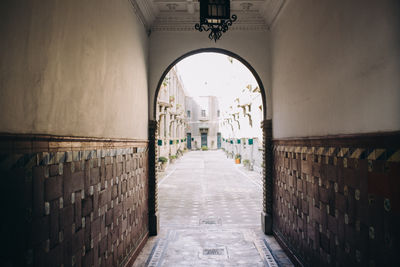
(295, 260)
(137, 251)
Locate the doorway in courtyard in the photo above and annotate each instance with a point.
(209, 182)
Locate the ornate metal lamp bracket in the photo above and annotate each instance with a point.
(216, 30)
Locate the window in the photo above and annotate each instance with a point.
(203, 112)
(218, 113)
(188, 113)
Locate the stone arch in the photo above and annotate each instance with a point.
(214, 50)
(266, 216)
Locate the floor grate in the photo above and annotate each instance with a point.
(213, 251)
(265, 253)
(210, 221)
(156, 254)
(216, 253)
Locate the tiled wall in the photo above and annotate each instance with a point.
(72, 202)
(337, 200)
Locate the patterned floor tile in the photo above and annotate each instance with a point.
(214, 220)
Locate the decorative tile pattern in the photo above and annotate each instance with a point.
(336, 204)
(81, 207)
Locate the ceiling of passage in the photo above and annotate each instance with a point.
(182, 15)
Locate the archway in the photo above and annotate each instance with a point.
(266, 216)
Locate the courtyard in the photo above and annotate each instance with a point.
(210, 216)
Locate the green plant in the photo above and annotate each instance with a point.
(246, 162)
(238, 156)
(165, 81)
(179, 152)
(172, 157)
(204, 148)
(162, 159)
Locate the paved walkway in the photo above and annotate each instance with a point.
(210, 215)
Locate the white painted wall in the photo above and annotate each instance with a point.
(167, 46)
(336, 68)
(73, 68)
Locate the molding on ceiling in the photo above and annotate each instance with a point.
(149, 10)
(145, 11)
(167, 21)
(253, 15)
(278, 10)
(271, 10)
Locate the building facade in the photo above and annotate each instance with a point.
(203, 122)
(171, 116)
(241, 127)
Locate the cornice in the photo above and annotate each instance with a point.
(181, 20)
(274, 11)
(145, 11)
(148, 10)
(167, 21)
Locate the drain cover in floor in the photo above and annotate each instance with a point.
(210, 221)
(213, 251)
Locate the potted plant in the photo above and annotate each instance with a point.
(179, 153)
(163, 161)
(246, 163)
(172, 158)
(238, 157)
(204, 148)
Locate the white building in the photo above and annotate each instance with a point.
(241, 127)
(171, 116)
(203, 127)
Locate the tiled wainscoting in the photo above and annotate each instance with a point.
(72, 201)
(337, 199)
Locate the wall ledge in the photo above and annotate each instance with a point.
(32, 143)
(377, 139)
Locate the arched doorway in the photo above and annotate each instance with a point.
(266, 216)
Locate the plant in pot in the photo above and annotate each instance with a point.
(179, 153)
(238, 157)
(204, 148)
(163, 161)
(246, 163)
(172, 158)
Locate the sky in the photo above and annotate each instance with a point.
(215, 74)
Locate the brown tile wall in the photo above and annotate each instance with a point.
(72, 202)
(337, 200)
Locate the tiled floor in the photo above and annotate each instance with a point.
(210, 215)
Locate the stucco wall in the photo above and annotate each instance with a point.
(73, 68)
(166, 47)
(335, 68)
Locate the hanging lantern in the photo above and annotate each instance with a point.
(215, 17)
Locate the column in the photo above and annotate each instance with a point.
(153, 205)
(266, 215)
